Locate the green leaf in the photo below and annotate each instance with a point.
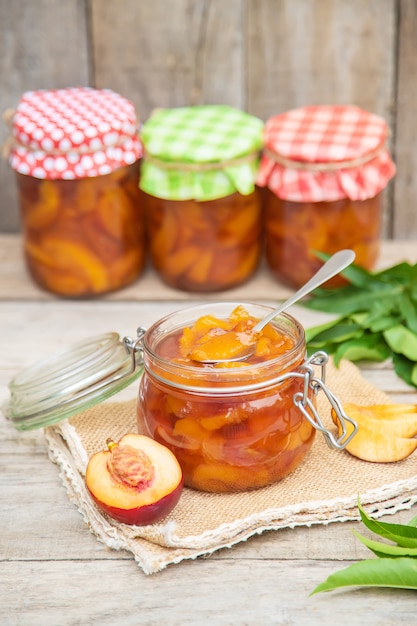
(402, 340)
(401, 534)
(403, 367)
(312, 332)
(338, 332)
(408, 310)
(400, 573)
(366, 348)
(383, 323)
(396, 565)
(361, 318)
(402, 273)
(413, 292)
(383, 304)
(355, 274)
(383, 550)
(348, 300)
(328, 348)
(376, 322)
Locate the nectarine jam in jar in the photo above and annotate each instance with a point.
(235, 426)
(76, 154)
(324, 169)
(232, 427)
(203, 212)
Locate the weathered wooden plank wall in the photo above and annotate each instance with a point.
(264, 56)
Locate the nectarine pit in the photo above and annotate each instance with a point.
(129, 466)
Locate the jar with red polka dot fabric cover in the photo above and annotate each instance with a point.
(76, 153)
(323, 171)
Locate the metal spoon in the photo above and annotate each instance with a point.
(335, 264)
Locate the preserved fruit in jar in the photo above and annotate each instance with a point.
(232, 427)
(83, 237)
(203, 212)
(205, 246)
(77, 160)
(296, 230)
(324, 169)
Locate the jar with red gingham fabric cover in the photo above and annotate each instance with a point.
(76, 154)
(324, 169)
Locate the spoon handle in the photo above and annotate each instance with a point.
(333, 266)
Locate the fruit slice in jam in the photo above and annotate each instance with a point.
(212, 339)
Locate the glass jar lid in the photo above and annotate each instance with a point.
(71, 381)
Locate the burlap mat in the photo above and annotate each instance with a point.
(325, 488)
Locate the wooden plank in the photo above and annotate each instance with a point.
(17, 285)
(211, 592)
(164, 55)
(323, 52)
(43, 45)
(405, 215)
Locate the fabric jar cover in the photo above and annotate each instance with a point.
(325, 153)
(73, 133)
(200, 152)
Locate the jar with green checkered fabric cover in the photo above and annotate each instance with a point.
(203, 209)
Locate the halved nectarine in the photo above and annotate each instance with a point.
(135, 481)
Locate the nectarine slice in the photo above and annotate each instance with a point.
(135, 481)
(386, 432)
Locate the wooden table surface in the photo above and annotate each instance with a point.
(53, 571)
